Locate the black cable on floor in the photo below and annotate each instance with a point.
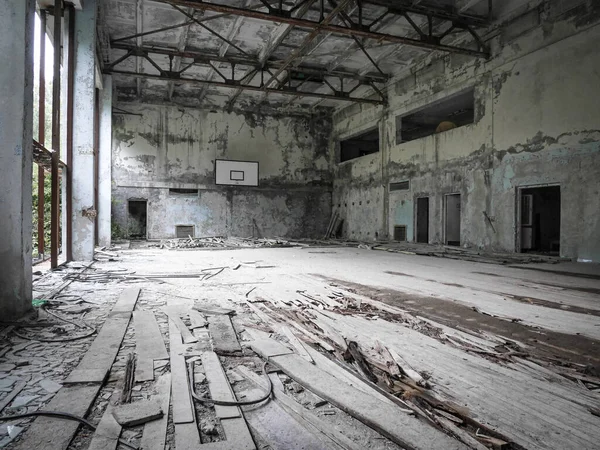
(236, 403)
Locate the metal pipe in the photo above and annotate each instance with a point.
(42, 134)
(55, 191)
(69, 170)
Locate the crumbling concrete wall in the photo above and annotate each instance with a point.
(166, 147)
(536, 122)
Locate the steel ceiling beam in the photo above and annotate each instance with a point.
(230, 84)
(205, 58)
(359, 32)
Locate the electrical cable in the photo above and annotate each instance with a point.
(62, 415)
(75, 338)
(236, 403)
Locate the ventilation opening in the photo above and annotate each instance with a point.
(181, 191)
(137, 219)
(400, 186)
(445, 115)
(184, 231)
(361, 145)
(540, 220)
(400, 233)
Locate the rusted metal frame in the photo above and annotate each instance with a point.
(378, 19)
(298, 52)
(119, 60)
(327, 27)
(482, 45)
(376, 89)
(96, 160)
(42, 134)
(335, 91)
(70, 111)
(180, 71)
(139, 27)
(181, 45)
(151, 61)
(436, 13)
(210, 30)
(200, 58)
(218, 71)
(299, 5)
(43, 156)
(447, 32)
(248, 87)
(55, 187)
(159, 30)
(413, 24)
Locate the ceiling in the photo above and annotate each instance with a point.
(288, 54)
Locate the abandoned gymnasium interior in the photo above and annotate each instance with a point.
(300, 225)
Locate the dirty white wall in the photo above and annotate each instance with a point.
(162, 147)
(537, 121)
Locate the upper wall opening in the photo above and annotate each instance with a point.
(361, 145)
(449, 113)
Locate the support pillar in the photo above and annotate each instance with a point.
(105, 161)
(16, 164)
(82, 176)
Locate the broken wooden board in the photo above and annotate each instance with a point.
(183, 409)
(12, 394)
(296, 343)
(149, 345)
(108, 431)
(98, 360)
(209, 309)
(76, 399)
(154, 435)
(223, 336)
(237, 434)
(219, 386)
(278, 428)
(174, 315)
(137, 413)
(197, 319)
(187, 436)
(270, 348)
(304, 416)
(389, 420)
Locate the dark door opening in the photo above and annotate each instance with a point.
(540, 220)
(452, 219)
(423, 220)
(137, 219)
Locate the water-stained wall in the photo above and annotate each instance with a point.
(157, 147)
(537, 122)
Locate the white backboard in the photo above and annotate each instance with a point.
(236, 173)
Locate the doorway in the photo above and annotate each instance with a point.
(539, 220)
(452, 219)
(137, 219)
(423, 220)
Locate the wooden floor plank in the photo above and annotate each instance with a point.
(187, 436)
(47, 433)
(154, 435)
(96, 363)
(386, 419)
(108, 431)
(149, 344)
(219, 386)
(183, 411)
(224, 338)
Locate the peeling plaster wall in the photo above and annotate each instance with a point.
(173, 147)
(537, 122)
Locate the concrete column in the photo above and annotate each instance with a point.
(83, 133)
(16, 165)
(105, 163)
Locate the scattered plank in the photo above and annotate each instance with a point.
(197, 320)
(187, 437)
(154, 435)
(183, 410)
(409, 371)
(188, 337)
(209, 309)
(219, 386)
(389, 420)
(261, 315)
(98, 360)
(106, 436)
(76, 399)
(302, 415)
(297, 344)
(137, 413)
(223, 336)
(149, 345)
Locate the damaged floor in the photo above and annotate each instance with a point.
(364, 349)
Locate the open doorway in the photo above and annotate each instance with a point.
(452, 219)
(137, 219)
(540, 220)
(423, 220)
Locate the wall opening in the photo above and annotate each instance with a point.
(423, 220)
(449, 113)
(184, 231)
(539, 220)
(400, 233)
(137, 218)
(400, 186)
(183, 191)
(452, 215)
(361, 145)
